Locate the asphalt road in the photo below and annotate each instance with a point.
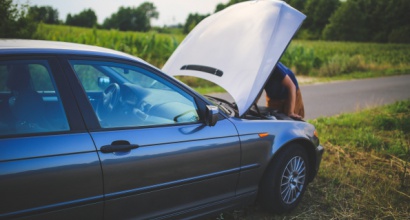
(349, 96)
(333, 98)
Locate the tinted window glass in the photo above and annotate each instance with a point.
(129, 96)
(87, 75)
(29, 101)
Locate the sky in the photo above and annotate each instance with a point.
(170, 11)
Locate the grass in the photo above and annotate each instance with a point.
(385, 130)
(365, 171)
(328, 59)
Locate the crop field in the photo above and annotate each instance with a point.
(153, 47)
(315, 58)
(319, 59)
(329, 59)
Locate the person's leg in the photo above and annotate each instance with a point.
(275, 104)
(299, 107)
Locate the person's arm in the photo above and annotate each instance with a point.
(287, 82)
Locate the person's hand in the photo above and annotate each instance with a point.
(295, 116)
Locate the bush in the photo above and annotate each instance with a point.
(300, 59)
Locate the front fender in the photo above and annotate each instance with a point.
(280, 132)
(258, 151)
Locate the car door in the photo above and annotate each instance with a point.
(49, 168)
(157, 154)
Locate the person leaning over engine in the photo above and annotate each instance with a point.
(283, 93)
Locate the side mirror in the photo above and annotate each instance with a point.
(211, 116)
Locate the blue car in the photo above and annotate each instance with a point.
(91, 133)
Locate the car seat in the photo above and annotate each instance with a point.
(26, 105)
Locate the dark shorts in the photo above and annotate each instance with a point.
(281, 105)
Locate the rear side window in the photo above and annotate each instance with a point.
(29, 101)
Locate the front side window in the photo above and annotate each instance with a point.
(129, 96)
(29, 101)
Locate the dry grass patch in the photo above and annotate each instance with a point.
(350, 185)
(365, 170)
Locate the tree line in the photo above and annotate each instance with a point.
(356, 20)
(336, 20)
(383, 21)
(125, 19)
(20, 21)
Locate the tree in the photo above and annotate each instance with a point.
(86, 18)
(132, 19)
(45, 14)
(348, 23)
(384, 18)
(222, 6)
(14, 22)
(370, 20)
(317, 14)
(298, 4)
(192, 21)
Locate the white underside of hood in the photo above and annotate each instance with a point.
(237, 48)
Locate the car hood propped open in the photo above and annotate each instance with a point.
(237, 48)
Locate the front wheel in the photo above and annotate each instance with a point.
(285, 180)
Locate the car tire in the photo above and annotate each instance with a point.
(285, 180)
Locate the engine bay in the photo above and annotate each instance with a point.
(254, 113)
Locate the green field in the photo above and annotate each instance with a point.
(153, 47)
(324, 58)
(317, 60)
(312, 58)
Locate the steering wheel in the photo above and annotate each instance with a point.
(111, 97)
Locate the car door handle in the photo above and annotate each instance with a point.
(118, 146)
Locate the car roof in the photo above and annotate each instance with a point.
(20, 46)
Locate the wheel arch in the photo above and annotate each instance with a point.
(267, 197)
(310, 150)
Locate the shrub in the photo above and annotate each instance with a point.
(341, 64)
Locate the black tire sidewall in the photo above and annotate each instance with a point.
(270, 191)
